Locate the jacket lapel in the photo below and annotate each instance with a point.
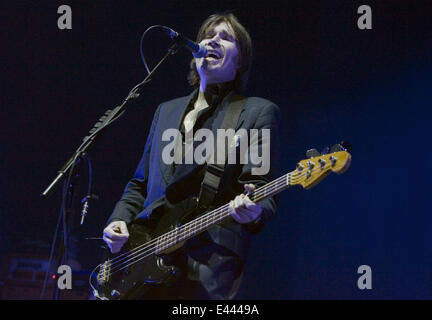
(172, 118)
(187, 169)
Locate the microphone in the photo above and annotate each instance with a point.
(198, 50)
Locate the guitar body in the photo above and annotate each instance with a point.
(129, 276)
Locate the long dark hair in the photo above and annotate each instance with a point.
(244, 44)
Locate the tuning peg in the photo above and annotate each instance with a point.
(343, 146)
(311, 153)
(336, 148)
(325, 150)
(347, 145)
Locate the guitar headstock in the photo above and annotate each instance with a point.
(311, 171)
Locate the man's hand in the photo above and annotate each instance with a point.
(115, 235)
(243, 209)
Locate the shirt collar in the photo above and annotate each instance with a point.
(219, 91)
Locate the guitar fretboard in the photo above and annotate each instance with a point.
(213, 217)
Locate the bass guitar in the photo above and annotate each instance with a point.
(142, 261)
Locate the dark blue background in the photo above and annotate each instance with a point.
(332, 81)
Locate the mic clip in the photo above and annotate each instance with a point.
(85, 203)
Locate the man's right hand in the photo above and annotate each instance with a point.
(115, 235)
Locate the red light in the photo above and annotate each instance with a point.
(53, 276)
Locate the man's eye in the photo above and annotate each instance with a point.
(227, 37)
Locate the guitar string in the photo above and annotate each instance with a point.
(168, 237)
(256, 198)
(260, 189)
(166, 240)
(217, 218)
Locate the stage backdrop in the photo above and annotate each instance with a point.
(332, 81)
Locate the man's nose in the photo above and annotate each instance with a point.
(214, 42)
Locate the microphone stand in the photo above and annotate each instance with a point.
(68, 167)
(66, 213)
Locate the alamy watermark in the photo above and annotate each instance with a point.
(364, 22)
(365, 280)
(253, 147)
(64, 280)
(65, 20)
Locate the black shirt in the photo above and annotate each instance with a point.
(190, 186)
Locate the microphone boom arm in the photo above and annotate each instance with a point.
(110, 118)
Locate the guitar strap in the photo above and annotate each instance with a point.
(215, 171)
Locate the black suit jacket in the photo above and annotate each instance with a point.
(156, 181)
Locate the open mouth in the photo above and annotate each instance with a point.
(213, 55)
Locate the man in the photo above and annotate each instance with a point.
(211, 263)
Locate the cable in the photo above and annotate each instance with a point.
(42, 295)
(141, 44)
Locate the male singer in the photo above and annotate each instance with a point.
(211, 263)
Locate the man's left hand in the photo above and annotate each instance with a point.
(243, 209)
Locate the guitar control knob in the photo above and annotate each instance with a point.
(310, 164)
(300, 167)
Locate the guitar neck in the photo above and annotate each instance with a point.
(215, 216)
